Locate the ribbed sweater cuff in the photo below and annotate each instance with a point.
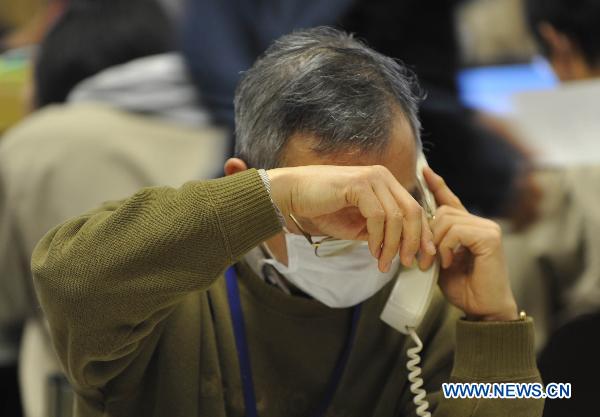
(245, 211)
(494, 350)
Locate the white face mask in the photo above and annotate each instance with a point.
(339, 281)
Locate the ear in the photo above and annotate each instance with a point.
(234, 165)
(558, 43)
(566, 58)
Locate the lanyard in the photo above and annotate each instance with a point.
(239, 330)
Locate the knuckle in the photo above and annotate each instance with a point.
(361, 185)
(362, 175)
(494, 237)
(414, 210)
(452, 228)
(496, 227)
(397, 216)
(379, 215)
(378, 170)
(455, 200)
(443, 246)
(445, 225)
(427, 232)
(413, 241)
(493, 226)
(442, 211)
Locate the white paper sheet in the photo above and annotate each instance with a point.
(562, 126)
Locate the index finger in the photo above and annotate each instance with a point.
(443, 194)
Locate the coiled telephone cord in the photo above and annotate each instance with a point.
(414, 375)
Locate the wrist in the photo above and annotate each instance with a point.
(280, 186)
(510, 313)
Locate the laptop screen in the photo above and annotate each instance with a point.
(490, 88)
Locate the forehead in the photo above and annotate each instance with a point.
(399, 156)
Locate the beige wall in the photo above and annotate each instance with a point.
(492, 31)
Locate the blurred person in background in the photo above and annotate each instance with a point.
(223, 37)
(114, 111)
(563, 248)
(569, 33)
(22, 24)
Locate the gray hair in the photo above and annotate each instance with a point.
(325, 83)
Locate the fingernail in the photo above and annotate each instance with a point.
(420, 260)
(431, 248)
(446, 263)
(407, 260)
(387, 267)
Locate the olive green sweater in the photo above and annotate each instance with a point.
(139, 317)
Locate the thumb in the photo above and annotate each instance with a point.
(443, 195)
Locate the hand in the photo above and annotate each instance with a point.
(473, 273)
(355, 203)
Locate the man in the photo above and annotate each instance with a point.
(145, 323)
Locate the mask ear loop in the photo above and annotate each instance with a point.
(266, 250)
(276, 278)
(414, 376)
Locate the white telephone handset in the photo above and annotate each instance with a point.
(412, 292)
(410, 299)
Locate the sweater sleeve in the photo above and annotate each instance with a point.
(496, 352)
(107, 279)
(499, 352)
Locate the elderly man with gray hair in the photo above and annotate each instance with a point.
(260, 293)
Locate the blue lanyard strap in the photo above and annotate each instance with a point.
(239, 330)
